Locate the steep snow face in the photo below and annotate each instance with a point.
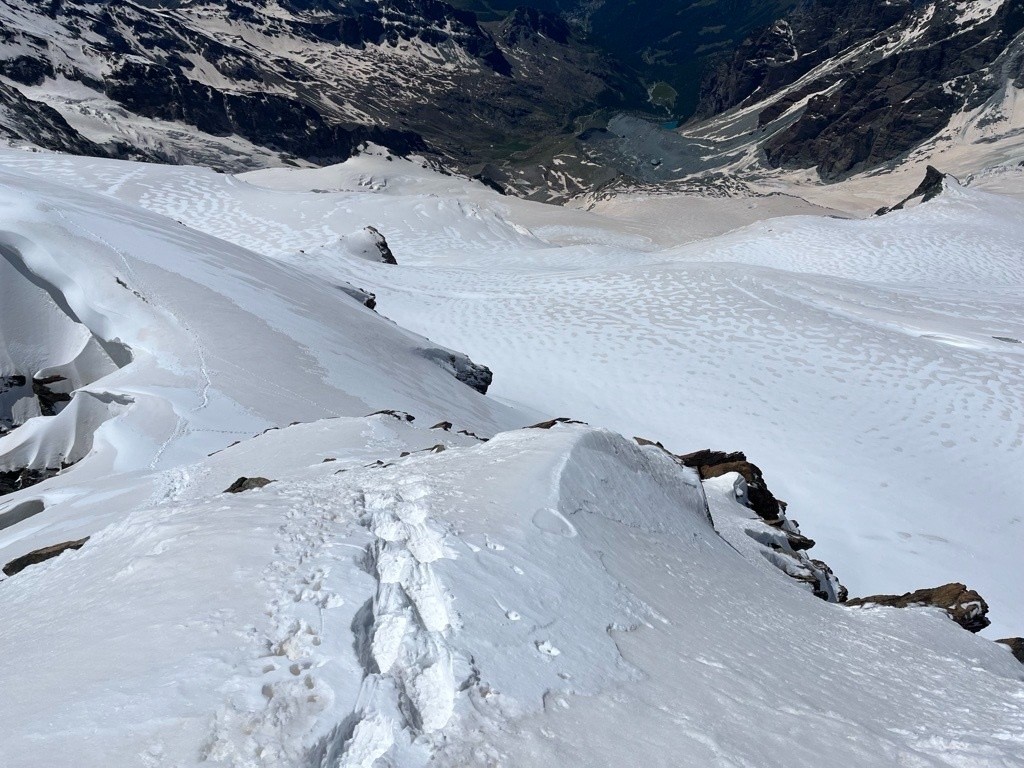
(541, 599)
(128, 335)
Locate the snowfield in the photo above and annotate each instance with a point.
(477, 593)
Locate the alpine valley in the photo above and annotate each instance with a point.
(401, 383)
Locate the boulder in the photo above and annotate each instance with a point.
(19, 564)
(400, 415)
(247, 484)
(965, 606)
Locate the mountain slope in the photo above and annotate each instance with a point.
(246, 84)
(847, 87)
(411, 592)
(893, 337)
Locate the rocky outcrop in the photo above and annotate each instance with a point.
(381, 243)
(717, 463)
(965, 606)
(552, 423)
(279, 122)
(525, 25)
(42, 555)
(243, 484)
(367, 299)
(26, 121)
(933, 185)
(880, 78)
(15, 480)
(51, 401)
(1016, 645)
(783, 543)
(474, 375)
(309, 80)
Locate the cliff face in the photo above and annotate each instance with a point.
(861, 83)
(205, 82)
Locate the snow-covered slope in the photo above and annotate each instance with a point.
(868, 366)
(415, 595)
(482, 606)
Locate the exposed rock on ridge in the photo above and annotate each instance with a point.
(965, 606)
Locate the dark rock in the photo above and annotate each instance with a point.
(842, 593)
(798, 542)
(400, 415)
(247, 484)
(554, 423)
(386, 256)
(27, 70)
(883, 100)
(479, 94)
(717, 463)
(20, 479)
(37, 123)
(1016, 645)
(524, 25)
(934, 184)
(41, 555)
(784, 545)
(8, 383)
(474, 375)
(367, 299)
(445, 425)
(49, 400)
(965, 606)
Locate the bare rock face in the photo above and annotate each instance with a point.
(1016, 645)
(247, 484)
(965, 606)
(932, 186)
(386, 256)
(474, 375)
(784, 545)
(41, 555)
(717, 463)
(879, 78)
(20, 479)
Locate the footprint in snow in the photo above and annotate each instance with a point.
(545, 647)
